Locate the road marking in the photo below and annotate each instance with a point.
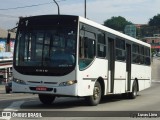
(15, 106)
(15, 98)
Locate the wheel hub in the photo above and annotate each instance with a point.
(96, 93)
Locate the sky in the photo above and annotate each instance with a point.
(135, 11)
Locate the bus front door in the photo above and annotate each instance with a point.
(128, 67)
(111, 64)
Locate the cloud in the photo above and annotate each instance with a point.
(100, 10)
(136, 11)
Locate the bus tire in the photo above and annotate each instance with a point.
(7, 91)
(96, 97)
(46, 99)
(134, 92)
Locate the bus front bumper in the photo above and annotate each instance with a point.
(56, 90)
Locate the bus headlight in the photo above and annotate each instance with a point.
(19, 81)
(67, 83)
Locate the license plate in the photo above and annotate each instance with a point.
(41, 88)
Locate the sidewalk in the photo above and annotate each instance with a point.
(2, 87)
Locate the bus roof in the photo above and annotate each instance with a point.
(97, 25)
(107, 29)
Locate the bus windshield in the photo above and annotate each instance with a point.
(44, 46)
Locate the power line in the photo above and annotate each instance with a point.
(35, 5)
(8, 16)
(25, 6)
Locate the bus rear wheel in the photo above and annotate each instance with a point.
(96, 97)
(134, 92)
(46, 99)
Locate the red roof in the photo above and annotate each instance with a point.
(155, 46)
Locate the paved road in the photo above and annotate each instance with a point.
(147, 100)
(156, 69)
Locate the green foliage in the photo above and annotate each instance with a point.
(117, 23)
(155, 21)
(148, 31)
(152, 28)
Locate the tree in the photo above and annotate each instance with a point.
(117, 23)
(155, 21)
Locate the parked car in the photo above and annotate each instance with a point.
(158, 54)
(8, 87)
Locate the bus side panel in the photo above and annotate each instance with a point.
(120, 77)
(87, 77)
(148, 72)
(143, 74)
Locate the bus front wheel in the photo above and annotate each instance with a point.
(46, 99)
(96, 97)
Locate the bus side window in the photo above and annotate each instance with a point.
(120, 50)
(101, 45)
(86, 50)
(81, 48)
(147, 61)
(147, 56)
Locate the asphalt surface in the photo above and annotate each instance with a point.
(113, 106)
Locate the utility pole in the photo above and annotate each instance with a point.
(57, 7)
(85, 7)
(8, 41)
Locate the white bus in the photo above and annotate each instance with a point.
(63, 55)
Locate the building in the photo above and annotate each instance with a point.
(154, 41)
(3, 40)
(6, 54)
(136, 30)
(4, 33)
(156, 35)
